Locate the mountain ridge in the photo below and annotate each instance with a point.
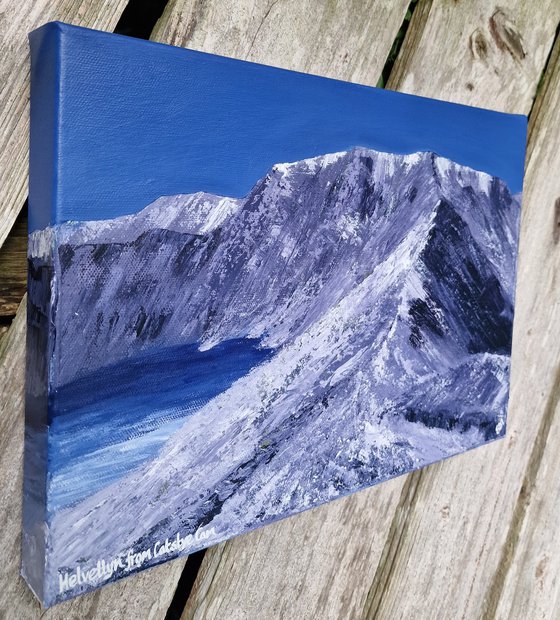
(283, 166)
(346, 210)
(386, 296)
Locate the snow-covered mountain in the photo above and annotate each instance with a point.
(191, 213)
(207, 268)
(383, 282)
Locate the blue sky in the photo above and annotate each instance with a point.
(140, 120)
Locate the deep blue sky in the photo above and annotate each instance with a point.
(140, 120)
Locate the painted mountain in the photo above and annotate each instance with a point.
(224, 362)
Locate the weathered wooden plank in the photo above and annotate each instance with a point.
(302, 567)
(477, 53)
(532, 588)
(462, 528)
(13, 268)
(458, 506)
(527, 585)
(346, 40)
(3, 331)
(16, 20)
(146, 596)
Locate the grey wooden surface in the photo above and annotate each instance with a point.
(475, 536)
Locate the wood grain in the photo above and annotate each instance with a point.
(348, 40)
(302, 567)
(438, 553)
(147, 595)
(530, 588)
(13, 268)
(16, 20)
(528, 585)
(453, 553)
(477, 53)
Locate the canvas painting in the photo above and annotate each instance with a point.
(251, 292)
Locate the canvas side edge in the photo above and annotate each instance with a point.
(45, 92)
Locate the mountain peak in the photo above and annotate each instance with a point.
(197, 213)
(441, 167)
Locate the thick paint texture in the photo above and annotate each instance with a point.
(255, 292)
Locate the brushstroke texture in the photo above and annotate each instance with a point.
(383, 284)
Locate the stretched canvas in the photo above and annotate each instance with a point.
(251, 291)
